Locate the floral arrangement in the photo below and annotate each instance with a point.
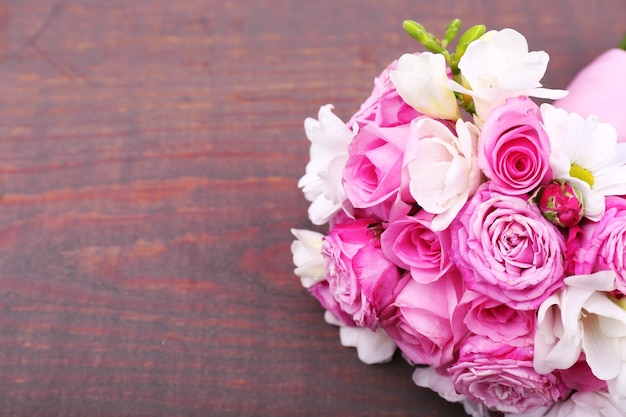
(481, 234)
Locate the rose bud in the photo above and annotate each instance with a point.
(561, 203)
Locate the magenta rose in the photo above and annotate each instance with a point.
(506, 250)
(384, 107)
(359, 276)
(602, 244)
(561, 203)
(373, 172)
(487, 317)
(599, 89)
(514, 149)
(503, 378)
(421, 323)
(411, 244)
(579, 377)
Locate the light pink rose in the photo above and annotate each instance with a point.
(421, 323)
(502, 377)
(373, 171)
(602, 245)
(487, 317)
(514, 149)
(411, 244)
(384, 107)
(322, 293)
(360, 278)
(507, 250)
(599, 89)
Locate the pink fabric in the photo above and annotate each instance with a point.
(599, 89)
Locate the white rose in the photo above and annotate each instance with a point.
(445, 172)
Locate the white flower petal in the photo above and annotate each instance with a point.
(331, 319)
(588, 404)
(372, 347)
(599, 281)
(421, 81)
(498, 66)
(321, 183)
(449, 163)
(307, 256)
(441, 384)
(569, 323)
(602, 353)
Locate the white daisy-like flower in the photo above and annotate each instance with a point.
(322, 181)
(585, 153)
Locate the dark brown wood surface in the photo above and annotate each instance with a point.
(149, 154)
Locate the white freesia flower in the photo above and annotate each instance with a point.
(307, 256)
(585, 153)
(371, 346)
(588, 404)
(449, 163)
(582, 317)
(498, 66)
(421, 81)
(321, 184)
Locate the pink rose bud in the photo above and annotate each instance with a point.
(561, 203)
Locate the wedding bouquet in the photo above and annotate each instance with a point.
(481, 234)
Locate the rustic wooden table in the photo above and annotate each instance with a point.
(149, 153)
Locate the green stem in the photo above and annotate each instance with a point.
(622, 44)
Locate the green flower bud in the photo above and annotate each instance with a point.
(561, 203)
(451, 32)
(468, 37)
(416, 31)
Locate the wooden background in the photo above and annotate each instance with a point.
(149, 154)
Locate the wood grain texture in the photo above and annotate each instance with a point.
(149, 154)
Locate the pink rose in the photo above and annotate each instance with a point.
(579, 377)
(561, 203)
(487, 317)
(599, 89)
(421, 323)
(602, 245)
(384, 107)
(411, 244)
(360, 278)
(374, 168)
(514, 148)
(388, 210)
(322, 293)
(507, 250)
(502, 377)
